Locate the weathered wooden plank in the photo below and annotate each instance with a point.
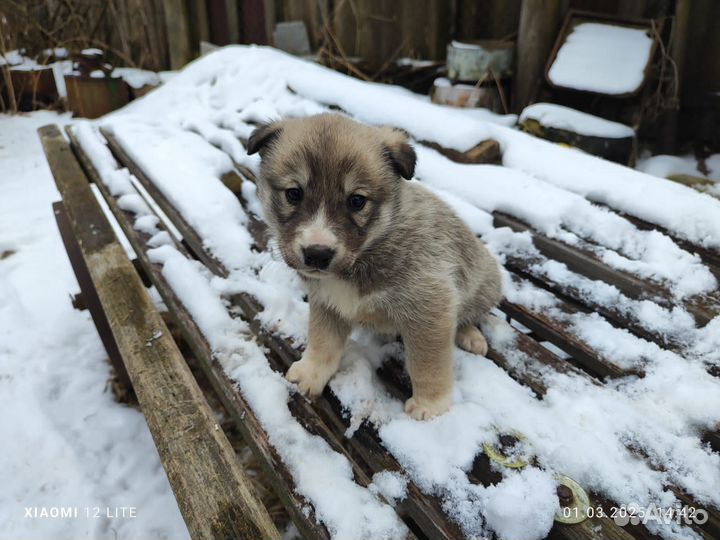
(588, 264)
(177, 25)
(487, 151)
(558, 333)
(710, 257)
(210, 486)
(189, 235)
(525, 268)
(89, 295)
(539, 23)
(224, 387)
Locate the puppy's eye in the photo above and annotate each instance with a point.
(356, 202)
(294, 195)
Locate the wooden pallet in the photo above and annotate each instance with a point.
(422, 513)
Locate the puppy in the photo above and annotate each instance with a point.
(373, 250)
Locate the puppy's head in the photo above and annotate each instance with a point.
(329, 187)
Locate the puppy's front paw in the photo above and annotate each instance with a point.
(423, 409)
(470, 338)
(311, 377)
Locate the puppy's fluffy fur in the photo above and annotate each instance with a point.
(373, 250)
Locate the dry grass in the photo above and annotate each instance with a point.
(131, 32)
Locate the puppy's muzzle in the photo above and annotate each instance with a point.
(318, 257)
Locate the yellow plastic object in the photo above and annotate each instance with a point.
(497, 456)
(577, 510)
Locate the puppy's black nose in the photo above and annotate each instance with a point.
(318, 256)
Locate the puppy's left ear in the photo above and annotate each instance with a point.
(399, 152)
(262, 136)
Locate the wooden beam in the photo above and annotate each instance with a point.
(177, 24)
(233, 20)
(678, 51)
(539, 24)
(211, 488)
(89, 295)
(558, 332)
(588, 264)
(189, 234)
(487, 151)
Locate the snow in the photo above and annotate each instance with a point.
(66, 442)
(560, 117)
(137, 78)
(12, 58)
(568, 217)
(253, 87)
(664, 166)
(57, 52)
(602, 58)
(182, 135)
(507, 512)
(59, 71)
(461, 45)
(391, 485)
(689, 215)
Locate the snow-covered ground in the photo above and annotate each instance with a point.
(579, 429)
(664, 166)
(65, 442)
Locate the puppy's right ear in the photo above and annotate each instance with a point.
(262, 136)
(398, 151)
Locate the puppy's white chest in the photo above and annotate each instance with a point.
(341, 296)
(347, 301)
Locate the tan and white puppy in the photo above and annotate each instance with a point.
(373, 250)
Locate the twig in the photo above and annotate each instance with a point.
(6, 76)
(335, 43)
(501, 92)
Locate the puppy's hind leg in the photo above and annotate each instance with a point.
(326, 342)
(469, 338)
